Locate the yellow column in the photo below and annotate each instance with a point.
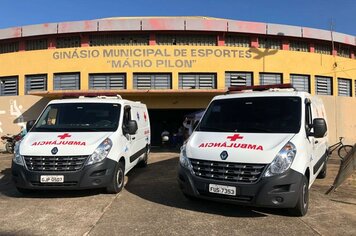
(50, 82)
(335, 85)
(129, 81)
(21, 84)
(175, 80)
(256, 77)
(220, 79)
(84, 81)
(286, 78)
(312, 84)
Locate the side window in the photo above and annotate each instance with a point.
(308, 116)
(126, 118)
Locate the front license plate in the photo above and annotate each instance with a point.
(52, 178)
(222, 189)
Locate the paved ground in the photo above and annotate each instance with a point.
(151, 204)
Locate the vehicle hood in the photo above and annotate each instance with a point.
(69, 143)
(241, 147)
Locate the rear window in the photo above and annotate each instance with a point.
(253, 115)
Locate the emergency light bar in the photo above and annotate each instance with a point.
(260, 87)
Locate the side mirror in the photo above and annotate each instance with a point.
(320, 127)
(131, 127)
(30, 124)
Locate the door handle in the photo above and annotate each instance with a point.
(133, 138)
(316, 141)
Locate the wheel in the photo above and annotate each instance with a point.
(144, 161)
(9, 148)
(322, 173)
(24, 190)
(118, 178)
(301, 208)
(344, 150)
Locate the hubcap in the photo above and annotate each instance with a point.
(305, 197)
(119, 178)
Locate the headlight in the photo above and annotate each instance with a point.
(282, 161)
(18, 159)
(100, 152)
(184, 160)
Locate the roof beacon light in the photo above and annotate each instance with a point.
(272, 87)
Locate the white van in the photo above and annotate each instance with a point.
(83, 143)
(261, 148)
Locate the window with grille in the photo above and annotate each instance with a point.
(237, 41)
(238, 79)
(344, 87)
(322, 49)
(270, 78)
(36, 44)
(116, 39)
(269, 43)
(197, 81)
(300, 82)
(343, 51)
(152, 81)
(9, 47)
(299, 46)
(323, 85)
(192, 39)
(68, 42)
(107, 81)
(35, 83)
(66, 81)
(9, 86)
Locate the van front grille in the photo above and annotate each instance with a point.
(55, 163)
(228, 171)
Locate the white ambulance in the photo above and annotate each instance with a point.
(257, 145)
(83, 143)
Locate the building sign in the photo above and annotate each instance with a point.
(149, 57)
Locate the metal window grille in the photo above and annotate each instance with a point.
(197, 81)
(68, 42)
(299, 46)
(266, 79)
(238, 79)
(301, 82)
(36, 83)
(66, 81)
(152, 81)
(9, 86)
(107, 81)
(9, 47)
(113, 40)
(36, 44)
(344, 87)
(237, 41)
(323, 85)
(269, 43)
(322, 49)
(343, 51)
(193, 39)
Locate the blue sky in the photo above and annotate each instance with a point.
(310, 13)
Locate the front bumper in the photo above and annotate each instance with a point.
(97, 175)
(277, 191)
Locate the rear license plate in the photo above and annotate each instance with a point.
(222, 189)
(52, 178)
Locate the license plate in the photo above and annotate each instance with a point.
(222, 189)
(52, 178)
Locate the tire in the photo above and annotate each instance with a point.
(24, 190)
(323, 172)
(118, 179)
(144, 162)
(9, 148)
(301, 208)
(344, 150)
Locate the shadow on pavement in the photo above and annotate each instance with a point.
(157, 183)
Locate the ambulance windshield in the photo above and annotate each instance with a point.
(79, 117)
(253, 115)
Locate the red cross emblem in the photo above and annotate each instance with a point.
(63, 136)
(234, 137)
